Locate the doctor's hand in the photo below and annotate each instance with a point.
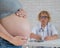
(37, 37)
(51, 37)
(18, 41)
(48, 38)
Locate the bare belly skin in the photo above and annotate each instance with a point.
(16, 26)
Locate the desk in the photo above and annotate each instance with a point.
(52, 43)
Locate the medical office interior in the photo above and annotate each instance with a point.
(33, 7)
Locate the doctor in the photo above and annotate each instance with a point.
(44, 30)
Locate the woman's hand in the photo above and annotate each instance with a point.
(18, 41)
(21, 13)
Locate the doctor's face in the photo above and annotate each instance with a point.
(44, 18)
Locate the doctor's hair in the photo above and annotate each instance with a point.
(44, 12)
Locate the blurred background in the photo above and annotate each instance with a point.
(33, 7)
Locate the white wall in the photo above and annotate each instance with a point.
(33, 7)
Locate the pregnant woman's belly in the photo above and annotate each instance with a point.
(16, 26)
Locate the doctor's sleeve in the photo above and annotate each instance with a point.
(54, 30)
(34, 30)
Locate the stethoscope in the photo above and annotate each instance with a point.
(42, 30)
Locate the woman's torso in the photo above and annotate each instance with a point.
(16, 26)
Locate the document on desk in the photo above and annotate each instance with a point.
(52, 43)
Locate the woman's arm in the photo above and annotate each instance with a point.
(4, 34)
(14, 40)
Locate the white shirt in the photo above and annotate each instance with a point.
(49, 30)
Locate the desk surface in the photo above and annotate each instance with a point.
(52, 43)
